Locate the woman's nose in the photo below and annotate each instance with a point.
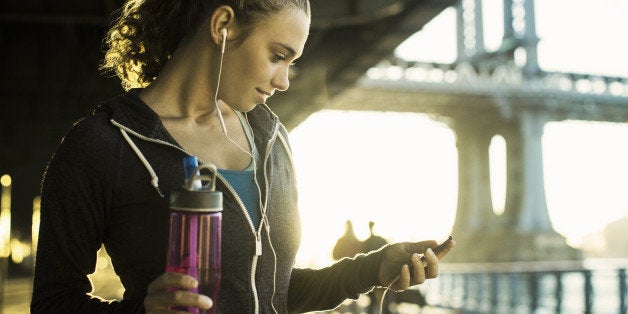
(281, 80)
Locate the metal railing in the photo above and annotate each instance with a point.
(598, 288)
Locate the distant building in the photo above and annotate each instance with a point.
(615, 235)
(610, 242)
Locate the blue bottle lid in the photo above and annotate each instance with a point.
(194, 197)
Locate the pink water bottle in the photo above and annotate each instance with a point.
(195, 233)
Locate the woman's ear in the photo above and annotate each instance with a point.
(222, 23)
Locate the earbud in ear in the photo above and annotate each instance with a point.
(223, 33)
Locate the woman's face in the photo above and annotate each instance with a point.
(256, 69)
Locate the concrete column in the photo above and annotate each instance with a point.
(534, 215)
(509, 31)
(530, 41)
(526, 207)
(524, 231)
(475, 209)
(460, 42)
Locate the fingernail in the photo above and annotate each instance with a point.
(206, 302)
(193, 283)
(415, 257)
(429, 250)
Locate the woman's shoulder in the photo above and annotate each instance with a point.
(89, 141)
(93, 129)
(94, 132)
(98, 127)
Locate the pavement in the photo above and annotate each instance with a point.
(17, 296)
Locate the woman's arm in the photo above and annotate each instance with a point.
(324, 289)
(397, 266)
(75, 196)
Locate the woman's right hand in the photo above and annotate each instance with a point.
(171, 289)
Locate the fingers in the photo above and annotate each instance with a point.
(446, 249)
(403, 280)
(418, 270)
(417, 260)
(172, 280)
(165, 300)
(423, 266)
(170, 290)
(431, 270)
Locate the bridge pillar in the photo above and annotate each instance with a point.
(474, 188)
(526, 207)
(523, 232)
(525, 225)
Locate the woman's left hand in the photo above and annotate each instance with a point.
(402, 267)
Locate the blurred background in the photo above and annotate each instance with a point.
(503, 122)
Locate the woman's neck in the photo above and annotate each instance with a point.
(185, 87)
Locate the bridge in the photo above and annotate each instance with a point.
(527, 267)
(478, 104)
(484, 94)
(481, 95)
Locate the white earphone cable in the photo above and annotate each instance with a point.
(262, 208)
(381, 302)
(223, 126)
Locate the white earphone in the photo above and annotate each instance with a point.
(223, 33)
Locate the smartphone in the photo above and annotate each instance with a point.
(440, 247)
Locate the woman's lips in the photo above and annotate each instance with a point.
(263, 94)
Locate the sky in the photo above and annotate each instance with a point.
(400, 169)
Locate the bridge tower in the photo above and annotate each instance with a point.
(523, 232)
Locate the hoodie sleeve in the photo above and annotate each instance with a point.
(325, 289)
(75, 197)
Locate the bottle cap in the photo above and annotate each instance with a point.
(196, 201)
(189, 198)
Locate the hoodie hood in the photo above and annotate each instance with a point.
(133, 113)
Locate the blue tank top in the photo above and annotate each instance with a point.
(243, 181)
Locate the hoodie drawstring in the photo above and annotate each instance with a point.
(154, 181)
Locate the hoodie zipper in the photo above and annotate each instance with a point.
(269, 145)
(258, 234)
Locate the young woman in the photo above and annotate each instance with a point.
(199, 74)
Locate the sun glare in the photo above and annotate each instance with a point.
(400, 170)
(395, 169)
(586, 175)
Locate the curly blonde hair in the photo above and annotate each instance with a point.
(145, 33)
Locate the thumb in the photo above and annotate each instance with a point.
(419, 247)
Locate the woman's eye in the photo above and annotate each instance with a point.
(278, 57)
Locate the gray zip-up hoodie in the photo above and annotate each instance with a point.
(109, 183)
